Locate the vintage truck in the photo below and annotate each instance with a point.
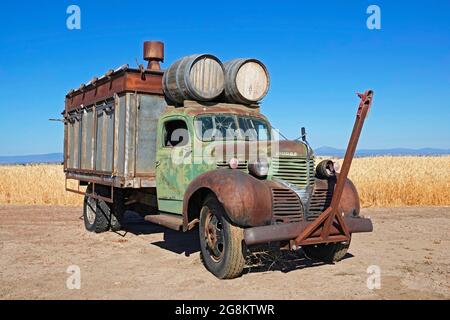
(189, 148)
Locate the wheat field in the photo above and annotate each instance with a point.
(402, 181)
(35, 185)
(381, 182)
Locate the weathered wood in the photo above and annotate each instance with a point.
(116, 139)
(197, 77)
(246, 81)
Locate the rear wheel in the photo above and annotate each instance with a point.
(96, 213)
(222, 249)
(117, 209)
(329, 253)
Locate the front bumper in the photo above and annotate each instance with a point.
(290, 231)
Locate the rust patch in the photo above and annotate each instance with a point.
(246, 200)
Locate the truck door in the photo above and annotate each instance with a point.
(172, 167)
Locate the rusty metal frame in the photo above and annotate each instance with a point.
(331, 218)
(92, 194)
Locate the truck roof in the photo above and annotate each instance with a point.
(194, 108)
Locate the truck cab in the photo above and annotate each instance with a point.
(194, 140)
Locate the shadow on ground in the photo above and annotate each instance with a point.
(174, 241)
(187, 243)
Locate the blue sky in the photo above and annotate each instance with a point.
(318, 55)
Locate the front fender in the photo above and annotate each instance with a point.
(350, 203)
(247, 201)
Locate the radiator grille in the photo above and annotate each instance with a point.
(286, 206)
(294, 170)
(320, 200)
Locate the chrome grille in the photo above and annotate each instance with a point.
(286, 206)
(294, 170)
(320, 200)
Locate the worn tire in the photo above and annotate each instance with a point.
(116, 224)
(96, 213)
(231, 263)
(323, 170)
(328, 253)
(117, 209)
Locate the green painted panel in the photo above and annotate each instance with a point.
(174, 169)
(173, 206)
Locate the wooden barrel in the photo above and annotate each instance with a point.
(246, 81)
(197, 77)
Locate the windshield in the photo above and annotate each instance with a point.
(231, 127)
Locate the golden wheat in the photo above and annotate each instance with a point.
(381, 181)
(35, 184)
(402, 181)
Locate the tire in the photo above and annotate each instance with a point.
(96, 213)
(221, 243)
(325, 170)
(116, 225)
(117, 209)
(329, 253)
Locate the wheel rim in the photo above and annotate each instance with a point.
(214, 236)
(90, 210)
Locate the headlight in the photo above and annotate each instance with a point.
(259, 168)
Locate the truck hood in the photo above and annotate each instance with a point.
(251, 150)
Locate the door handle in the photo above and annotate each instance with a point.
(157, 163)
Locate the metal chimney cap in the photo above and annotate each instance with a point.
(153, 51)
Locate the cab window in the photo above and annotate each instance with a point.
(216, 127)
(229, 127)
(254, 129)
(175, 134)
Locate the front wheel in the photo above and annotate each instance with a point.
(222, 248)
(329, 253)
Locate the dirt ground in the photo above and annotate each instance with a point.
(38, 244)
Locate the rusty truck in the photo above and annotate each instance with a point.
(188, 148)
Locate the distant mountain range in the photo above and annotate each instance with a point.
(333, 152)
(32, 158)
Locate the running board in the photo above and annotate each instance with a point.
(171, 221)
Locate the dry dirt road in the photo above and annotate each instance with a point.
(38, 244)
